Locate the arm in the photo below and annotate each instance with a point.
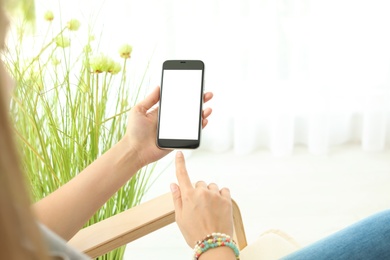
(202, 210)
(66, 210)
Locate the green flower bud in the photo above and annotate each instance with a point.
(99, 63)
(112, 66)
(87, 48)
(115, 68)
(49, 16)
(125, 51)
(124, 103)
(55, 61)
(62, 41)
(73, 25)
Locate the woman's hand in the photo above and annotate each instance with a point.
(200, 210)
(142, 127)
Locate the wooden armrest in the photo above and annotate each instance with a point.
(127, 226)
(239, 231)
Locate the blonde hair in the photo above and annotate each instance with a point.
(20, 237)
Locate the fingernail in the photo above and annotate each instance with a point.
(179, 154)
(173, 187)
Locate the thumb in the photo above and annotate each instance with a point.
(150, 100)
(176, 195)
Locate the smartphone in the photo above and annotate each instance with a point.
(181, 100)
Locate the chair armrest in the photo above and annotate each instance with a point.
(134, 223)
(239, 231)
(125, 227)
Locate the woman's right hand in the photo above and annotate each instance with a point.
(200, 210)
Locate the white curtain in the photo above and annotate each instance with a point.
(284, 72)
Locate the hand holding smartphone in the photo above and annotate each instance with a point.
(181, 100)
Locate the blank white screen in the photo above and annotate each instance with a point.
(180, 104)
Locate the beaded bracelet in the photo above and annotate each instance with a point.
(213, 241)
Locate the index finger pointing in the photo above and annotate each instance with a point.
(181, 172)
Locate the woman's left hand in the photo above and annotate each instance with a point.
(142, 127)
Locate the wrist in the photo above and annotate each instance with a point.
(224, 243)
(221, 252)
(129, 154)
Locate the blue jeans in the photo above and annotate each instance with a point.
(367, 239)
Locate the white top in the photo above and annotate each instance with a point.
(58, 248)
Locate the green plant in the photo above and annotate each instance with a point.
(69, 107)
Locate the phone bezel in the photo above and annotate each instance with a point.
(181, 143)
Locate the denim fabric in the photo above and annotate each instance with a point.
(367, 239)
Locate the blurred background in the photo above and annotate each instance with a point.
(300, 129)
(284, 73)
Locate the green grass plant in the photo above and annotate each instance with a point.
(69, 106)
